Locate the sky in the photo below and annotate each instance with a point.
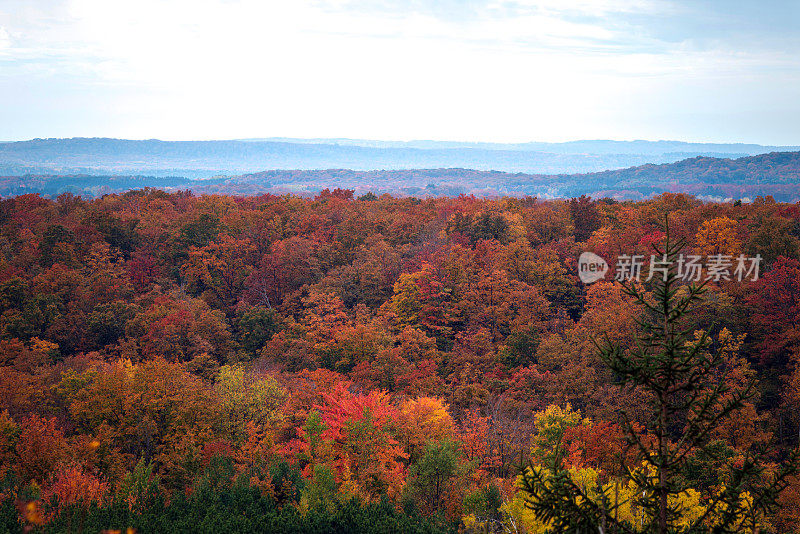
(468, 70)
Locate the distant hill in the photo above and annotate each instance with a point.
(776, 174)
(203, 159)
(600, 146)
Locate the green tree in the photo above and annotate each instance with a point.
(255, 327)
(139, 488)
(687, 399)
(432, 478)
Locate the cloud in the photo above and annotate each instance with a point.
(489, 69)
(155, 41)
(5, 40)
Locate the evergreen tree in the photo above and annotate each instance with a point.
(678, 372)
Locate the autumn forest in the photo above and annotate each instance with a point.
(339, 363)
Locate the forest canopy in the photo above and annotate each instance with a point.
(369, 363)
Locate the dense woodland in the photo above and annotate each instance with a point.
(372, 364)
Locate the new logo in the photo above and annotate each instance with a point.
(591, 267)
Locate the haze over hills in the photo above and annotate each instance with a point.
(203, 159)
(598, 146)
(776, 174)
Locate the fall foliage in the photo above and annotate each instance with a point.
(384, 361)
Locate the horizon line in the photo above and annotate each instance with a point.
(333, 140)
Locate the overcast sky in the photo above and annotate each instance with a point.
(474, 70)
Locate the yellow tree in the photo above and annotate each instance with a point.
(718, 236)
(421, 420)
(154, 410)
(246, 399)
(406, 303)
